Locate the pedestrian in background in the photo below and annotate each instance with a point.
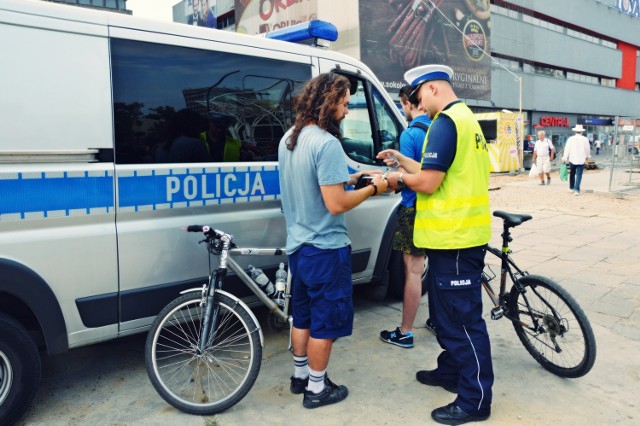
(313, 175)
(598, 145)
(453, 224)
(543, 155)
(411, 143)
(576, 153)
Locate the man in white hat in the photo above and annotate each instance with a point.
(453, 224)
(576, 152)
(543, 155)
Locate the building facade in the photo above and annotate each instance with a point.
(579, 62)
(561, 63)
(114, 5)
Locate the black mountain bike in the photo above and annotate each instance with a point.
(549, 322)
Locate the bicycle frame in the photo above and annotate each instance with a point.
(248, 281)
(217, 278)
(507, 266)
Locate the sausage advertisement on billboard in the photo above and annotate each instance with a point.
(397, 35)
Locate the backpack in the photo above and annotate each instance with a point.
(420, 125)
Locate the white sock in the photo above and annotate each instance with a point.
(316, 381)
(300, 367)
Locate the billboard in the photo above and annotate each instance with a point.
(397, 35)
(203, 13)
(630, 7)
(262, 16)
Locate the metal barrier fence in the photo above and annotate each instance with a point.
(625, 156)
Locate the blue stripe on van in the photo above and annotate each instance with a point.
(176, 188)
(33, 195)
(60, 193)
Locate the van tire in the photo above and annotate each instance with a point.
(396, 276)
(20, 370)
(378, 291)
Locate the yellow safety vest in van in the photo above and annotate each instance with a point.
(457, 214)
(231, 147)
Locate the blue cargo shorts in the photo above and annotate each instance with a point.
(322, 291)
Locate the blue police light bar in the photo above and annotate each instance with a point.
(305, 31)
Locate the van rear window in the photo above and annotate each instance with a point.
(178, 104)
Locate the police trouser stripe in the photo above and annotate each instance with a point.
(475, 354)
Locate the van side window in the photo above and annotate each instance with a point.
(370, 126)
(387, 124)
(179, 104)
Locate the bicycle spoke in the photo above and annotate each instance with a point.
(218, 374)
(552, 327)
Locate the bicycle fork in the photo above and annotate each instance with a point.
(210, 316)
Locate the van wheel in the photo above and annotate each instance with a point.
(20, 369)
(396, 276)
(378, 292)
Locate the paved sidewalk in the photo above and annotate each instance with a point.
(596, 257)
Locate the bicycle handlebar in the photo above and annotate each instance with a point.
(206, 230)
(197, 228)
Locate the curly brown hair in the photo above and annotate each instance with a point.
(317, 103)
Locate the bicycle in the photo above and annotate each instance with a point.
(204, 350)
(547, 319)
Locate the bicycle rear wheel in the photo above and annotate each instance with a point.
(552, 327)
(203, 382)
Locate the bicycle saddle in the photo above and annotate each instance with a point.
(512, 219)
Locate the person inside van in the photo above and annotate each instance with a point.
(183, 143)
(217, 139)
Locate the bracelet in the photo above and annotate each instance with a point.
(375, 189)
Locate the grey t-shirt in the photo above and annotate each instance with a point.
(318, 159)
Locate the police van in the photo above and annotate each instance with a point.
(100, 113)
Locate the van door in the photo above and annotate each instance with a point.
(198, 123)
(372, 124)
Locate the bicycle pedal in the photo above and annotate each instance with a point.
(497, 313)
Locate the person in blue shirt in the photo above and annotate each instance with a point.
(411, 143)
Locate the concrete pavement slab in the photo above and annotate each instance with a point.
(106, 384)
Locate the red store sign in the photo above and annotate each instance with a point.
(550, 121)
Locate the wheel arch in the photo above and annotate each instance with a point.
(380, 271)
(25, 296)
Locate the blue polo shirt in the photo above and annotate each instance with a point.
(411, 143)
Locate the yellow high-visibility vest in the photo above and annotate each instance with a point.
(457, 214)
(231, 147)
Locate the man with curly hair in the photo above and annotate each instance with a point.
(313, 180)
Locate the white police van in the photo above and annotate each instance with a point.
(91, 200)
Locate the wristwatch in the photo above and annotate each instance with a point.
(400, 181)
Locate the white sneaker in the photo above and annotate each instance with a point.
(576, 193)
(571, 190)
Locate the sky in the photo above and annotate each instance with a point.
(160, 10)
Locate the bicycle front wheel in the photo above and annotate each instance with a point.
(552, 327)
(207, 380)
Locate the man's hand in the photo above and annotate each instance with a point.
(392, 178)
(381, 183)
(410, 165)
(354, 177)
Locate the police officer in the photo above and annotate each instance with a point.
(453, 223)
